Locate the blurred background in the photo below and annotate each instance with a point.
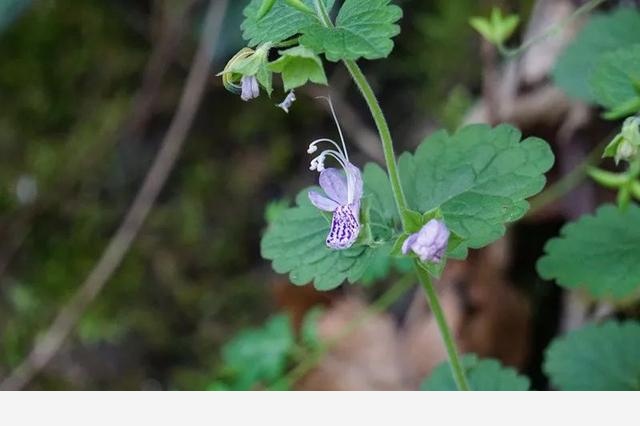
(89, 90)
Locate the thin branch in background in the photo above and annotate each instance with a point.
(53, 338)
(162, 56)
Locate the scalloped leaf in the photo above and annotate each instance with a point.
(603, 33)
(282, 22)
(260, 354)
(615, 80)
(363, 29)
(483, 375)
(598, 253)
(604, 357)
(479, 177)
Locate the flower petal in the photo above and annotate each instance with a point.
(345, 228)
(334, 185)
(321, 202)
(357, 182)
(406, 246)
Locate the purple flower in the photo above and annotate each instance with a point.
(429, 243)
(342, 192)
(288, 101)
(250, 88)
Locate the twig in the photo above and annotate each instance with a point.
(46, 347)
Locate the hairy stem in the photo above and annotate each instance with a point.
(445, 331)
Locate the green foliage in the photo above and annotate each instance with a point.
(295, 242)
(479, 177)
(598, 253)
(603, 33)
(297, 66)
(309, 330)
(483, 375)
(615, 81)
(604, 357)
(280, 23)
(259, 355)
(363, 29)
(498, 28)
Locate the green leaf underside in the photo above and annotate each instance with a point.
(603, 33)
(282, 22)
(259, 355)
(613, 77)
(599, 253)
(363, 29)
(603, 357)
(482, 374)
(299, 65)
(479, 177)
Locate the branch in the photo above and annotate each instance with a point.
(46, 347)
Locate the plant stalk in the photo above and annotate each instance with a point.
(445, 332)
(401, 201)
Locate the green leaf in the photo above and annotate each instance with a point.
(363, 29)
(603, 33)
(498, 28)
(483, 375)
(280, 23)
(599, 253)
(479, 177)
(295, 242)
(297, 66)
(309, 330)
(603, 357)
(260, 355)
(615, 79)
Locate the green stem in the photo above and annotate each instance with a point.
(400, 199)
(385, 137)
(445, 331)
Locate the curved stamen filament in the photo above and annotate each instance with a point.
(313, 146)
(335, 118)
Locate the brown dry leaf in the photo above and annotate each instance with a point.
(367, 359)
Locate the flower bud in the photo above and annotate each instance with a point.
(429, 243)
(626, 144)
(250, 88)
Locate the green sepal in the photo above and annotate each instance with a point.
(247, 63)
(297, 66)
(414, 220)
(396, 249)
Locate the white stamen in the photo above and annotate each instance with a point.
(339, 154)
